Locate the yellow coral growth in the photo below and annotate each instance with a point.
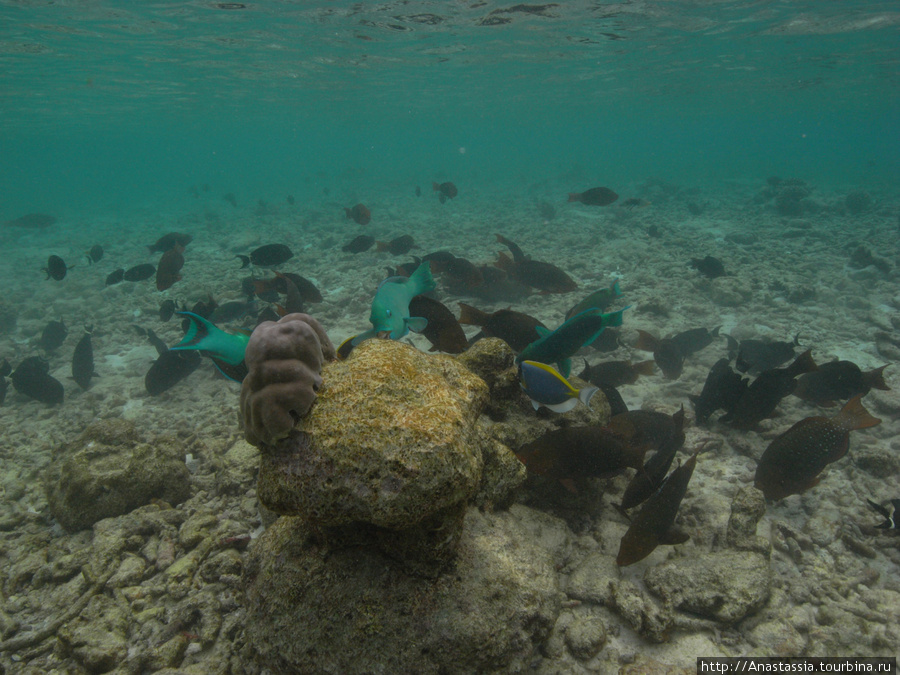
(395, 390)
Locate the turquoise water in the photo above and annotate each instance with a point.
(116, 103)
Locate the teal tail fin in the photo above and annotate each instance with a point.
(205, 336)
(422, 279)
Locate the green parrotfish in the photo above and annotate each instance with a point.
(225, 349)
(559, 345)
(390, 306)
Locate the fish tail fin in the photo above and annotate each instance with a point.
(616, 290)
(875, 378)
(585, 395)
(504, 262)
(203, 335)
(471, 316)
(854, 416)
(803, 364)
(646, 342)
(614, 318)
(347, 212)
(245, 260)
(382, 246)
(644, 367)
(574, 196)
(435, 187)
(422, 278)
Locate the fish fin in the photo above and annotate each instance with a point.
(574, 196)
(673, 536)
(646, 342)
(422, 279)
(245, 260)
(416, 323)
(875, 378)
(585, 395)
(563, 407)
(535, 404)
(854, 416)
(569, 484)
(615, 288)
(565, 367)
(542, 331)
(880, 509)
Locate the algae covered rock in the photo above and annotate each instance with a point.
(314, 609)
(391, 440)
(110, 470)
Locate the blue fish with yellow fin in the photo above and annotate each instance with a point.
(390, 306)
(560, 345)
(546, 387)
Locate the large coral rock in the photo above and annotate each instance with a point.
(109, 470)
(315, 609)
(391, 441)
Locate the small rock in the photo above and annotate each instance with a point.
(726, 586)
(586, 636)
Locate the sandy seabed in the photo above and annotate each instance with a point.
(787, 276)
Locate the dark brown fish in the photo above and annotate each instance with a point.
(293, 303)
(83, 361)
(616, 373)
(361, 243)
(447, 190)
(443, 330)
(765, 393)
(139, 272)
(721, 391)
(666, 353)
(543, 276)
(793, 461)
(598, 196)
(56, 268)
(398, 246)
(270, 255)
(359, 213)
(755, 356)
(709, 267)
(166, 310)
(95, 254)
(169, 241)
(31, 220)
(170, 265)
(115, 277)
(654, 524)
(461, 275)
(32, 378)
(53, 335)
(670, 353)
(572, 452)
(169, 369)
(518, 330)
(418, 191)
(838, 381)
(665, 434)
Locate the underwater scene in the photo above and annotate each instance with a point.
(448, 337)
